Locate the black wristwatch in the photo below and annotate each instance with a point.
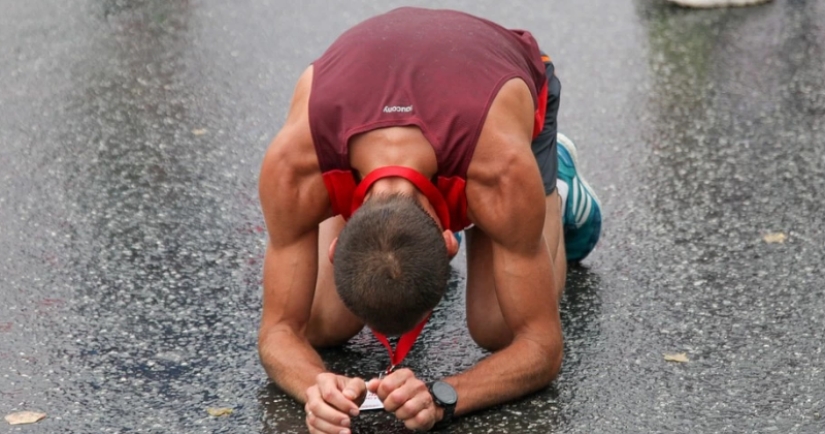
(445, 397)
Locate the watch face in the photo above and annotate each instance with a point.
(444, 393)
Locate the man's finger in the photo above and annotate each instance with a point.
(423, 421)
(356, 390)
(332, 395)
(323, 426)
(415, 405)
(373, 384)
(321, 414)
(406, 392)
(393, 381)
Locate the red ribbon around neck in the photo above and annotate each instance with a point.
(420, 181)
(404, 345)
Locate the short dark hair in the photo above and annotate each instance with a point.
(391, 264)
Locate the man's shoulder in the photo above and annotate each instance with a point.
(292, 151)
(291, 188)
(291, 156)
(506, 133)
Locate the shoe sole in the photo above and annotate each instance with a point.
(571, 149)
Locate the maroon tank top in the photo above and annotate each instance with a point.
(438, 70)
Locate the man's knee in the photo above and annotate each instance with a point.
(491, 338)
(487, 326)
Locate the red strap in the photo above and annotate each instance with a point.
(340, 186)
(541, 111)
(405, 343)
(452, 189)
(420, 181)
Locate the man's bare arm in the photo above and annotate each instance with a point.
(506, 200)
(286, 355)
(293, 200)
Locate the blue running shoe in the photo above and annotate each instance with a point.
(582, 220)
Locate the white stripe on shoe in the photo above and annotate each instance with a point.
(584, 205)
(580, 222)
(579, 204)
(571, 149)
(576, 199)
(563, 189)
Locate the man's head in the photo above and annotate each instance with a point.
(391, 263)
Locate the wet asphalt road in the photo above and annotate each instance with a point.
(131, 242)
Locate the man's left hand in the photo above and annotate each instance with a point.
(408, 398)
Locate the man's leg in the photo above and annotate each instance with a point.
(330, 323)
(556, 156)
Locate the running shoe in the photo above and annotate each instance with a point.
(582, 218)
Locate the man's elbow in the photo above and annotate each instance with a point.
(265, 355)
(553, 365)
(551, 357)
(270, 338)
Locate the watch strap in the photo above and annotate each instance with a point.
(449, 410)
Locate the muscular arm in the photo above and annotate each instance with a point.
(294, 202)
(286, 355)
(506, 201)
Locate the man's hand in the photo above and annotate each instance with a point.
(408, 398)
(332, 401)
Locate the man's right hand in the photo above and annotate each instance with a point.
(332, 401)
